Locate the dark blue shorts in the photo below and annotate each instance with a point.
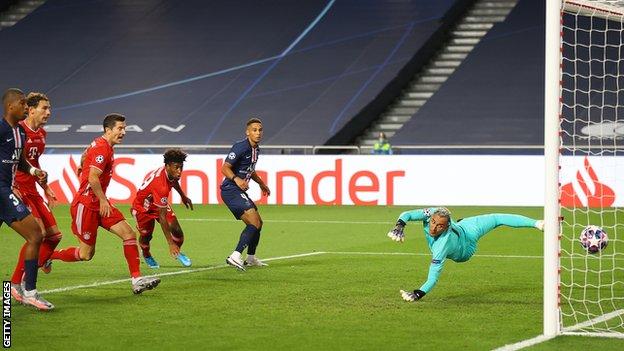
(237, 201)
(11, 207)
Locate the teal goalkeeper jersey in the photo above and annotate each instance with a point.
(453, 244)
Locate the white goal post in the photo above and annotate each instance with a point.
(584, 120)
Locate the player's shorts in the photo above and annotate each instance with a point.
(147, 220)
(39, 208)
(11, 207)
(85, 222)
(237, 201)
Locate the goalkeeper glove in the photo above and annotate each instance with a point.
(396, 234)
(412, 296)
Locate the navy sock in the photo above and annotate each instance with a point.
(246, 237)
(30, 276)
(251, 250)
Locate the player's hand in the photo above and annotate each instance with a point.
(105, 208)
(187, 202)
(242, 184)
(265, 190)
(174, 250)
(396, 233)
(51, 196)
(412, 296)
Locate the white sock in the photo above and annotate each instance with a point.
(236, 255)
(251, 257)
(135, 280)
(30, 293)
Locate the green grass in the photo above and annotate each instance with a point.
(322, 301)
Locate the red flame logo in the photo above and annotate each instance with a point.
(56, 185)
(602, 196)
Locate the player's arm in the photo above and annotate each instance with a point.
(96, 186)
(185, 199)
(228, 172)
(397, 234)
(26, 167)
(174, 250)
(435, 268)
(263, 187)
(82, 159)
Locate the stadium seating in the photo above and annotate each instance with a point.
(496, 96)
(210, 66)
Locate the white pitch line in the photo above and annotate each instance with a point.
(525, 343)
(186, 271)
(390, 223)
(421, 254)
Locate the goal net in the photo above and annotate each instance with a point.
(591, 175)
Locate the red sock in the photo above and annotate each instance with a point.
(131, 251)
(70, 254)
(19, 268)
(47, 247)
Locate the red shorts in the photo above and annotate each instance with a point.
(85, 222)
(39, 208)
(147, 220)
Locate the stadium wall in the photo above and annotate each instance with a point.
(452, 180)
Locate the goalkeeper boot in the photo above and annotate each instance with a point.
(151, 262)
(141, 284)
(186, 262)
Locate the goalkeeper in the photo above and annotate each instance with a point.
(454, 240)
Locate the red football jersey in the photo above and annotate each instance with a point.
(33, 149)
(154, 192)
(99, 155)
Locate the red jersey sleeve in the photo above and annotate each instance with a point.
(97, 156)
(160, 193)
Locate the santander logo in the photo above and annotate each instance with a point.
(587, 191)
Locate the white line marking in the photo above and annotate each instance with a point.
(186, 271)
(421, 254)
(389, 223)
(603, 318)
(525, 343)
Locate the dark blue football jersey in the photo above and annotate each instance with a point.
(11, 144)
(243, 159)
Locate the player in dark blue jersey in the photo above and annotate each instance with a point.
(13, 212)
(239, 168)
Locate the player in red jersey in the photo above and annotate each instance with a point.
(151, 204)
(91, 208)
(38, 114)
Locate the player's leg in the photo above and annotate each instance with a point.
(52, 235)
(18, 272)
(85, 223)
(239, 203)
(178, 236)
(478, 226)
(116, 224)
(29, 229)
(145, 227)
(252, 217)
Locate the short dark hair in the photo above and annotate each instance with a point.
(174, 155)
(111, 119)
(33, 98)
(10, 94)
(253, 120)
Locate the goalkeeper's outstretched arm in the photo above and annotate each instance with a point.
(396, 233)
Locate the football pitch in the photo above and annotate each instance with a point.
(332, 282)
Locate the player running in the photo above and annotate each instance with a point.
(238, 168)
(450, 239)
(91, 208)
(38, 114)
(13, 212)
(152, 204)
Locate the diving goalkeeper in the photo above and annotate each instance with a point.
(454, 240)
